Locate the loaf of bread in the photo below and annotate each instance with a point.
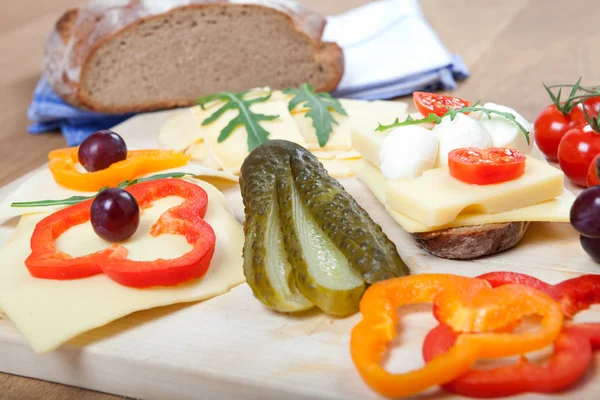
(120, 56)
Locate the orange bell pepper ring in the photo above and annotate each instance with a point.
(476, 307)
(63, 166)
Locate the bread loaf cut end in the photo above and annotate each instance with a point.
(173, 58)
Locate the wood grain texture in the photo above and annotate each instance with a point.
(510, 47)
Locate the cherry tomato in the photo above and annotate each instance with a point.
(428, 103)
(486, 166)
(576, 151)
(550, 127)
(593, 170)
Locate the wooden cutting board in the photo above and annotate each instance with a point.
(232, 347)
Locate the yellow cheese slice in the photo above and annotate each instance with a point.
(340, 168)
(554, 210)
(49, 313)
(358, 111)
(41, 186)
(436, 198)
(367, 141)
(232, 152)
(182, 132)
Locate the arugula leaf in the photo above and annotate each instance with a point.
(78, 199)
(257, 135)
(452, 114)
(320, 106)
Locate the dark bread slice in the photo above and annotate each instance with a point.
(133, 57)
(469, 242)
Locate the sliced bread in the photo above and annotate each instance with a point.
(137, 55)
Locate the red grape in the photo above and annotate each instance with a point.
(115, 215)
(101, 149)
(585, 212)
(591, 246)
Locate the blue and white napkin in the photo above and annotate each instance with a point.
(389, 48)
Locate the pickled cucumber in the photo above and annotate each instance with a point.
(322, 272)
(266, 265)
(307, 240)
(340, 217)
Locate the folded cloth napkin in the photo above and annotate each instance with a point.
(389, 49)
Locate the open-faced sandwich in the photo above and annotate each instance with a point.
(464, 179)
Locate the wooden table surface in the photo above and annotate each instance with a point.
(509, 46)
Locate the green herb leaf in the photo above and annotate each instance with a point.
(320, 107)
(257, 135)
(78, 199)
(452, 113)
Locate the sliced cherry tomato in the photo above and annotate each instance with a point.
(486, 166)
(576, 151)
(593, 171)
(428, 103)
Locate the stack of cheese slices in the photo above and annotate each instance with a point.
(184, 131)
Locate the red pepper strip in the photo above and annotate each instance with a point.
(186, 219)
(574, 295)
(571, 357)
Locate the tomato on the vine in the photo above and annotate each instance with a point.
(576, 151)
(552, 124)
(432, 103)
(550, 127)
(593, 172)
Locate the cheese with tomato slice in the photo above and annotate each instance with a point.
(49, 313)
(436, 198)
(553, 210)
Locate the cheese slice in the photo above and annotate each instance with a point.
(554, 210)
(49, 313)
(367, 141)
(358, 112)
(180, 130)
(232, 152)
(436, 198)
(41, 186)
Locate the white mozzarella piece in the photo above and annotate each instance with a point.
(463, 131)
(407, 152)
(505, 133)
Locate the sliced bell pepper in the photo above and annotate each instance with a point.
(63, 166)
(46, 261)
(370, 337)
(571, 357)
(572, 349)
(574, 295)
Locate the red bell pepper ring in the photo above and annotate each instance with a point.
(572, 350)
(187, 219)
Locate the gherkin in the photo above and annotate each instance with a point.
(307, 240)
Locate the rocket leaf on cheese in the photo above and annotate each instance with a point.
(452, 113)
(320, 106)
(257, 135)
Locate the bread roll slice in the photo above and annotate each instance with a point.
(135, 55)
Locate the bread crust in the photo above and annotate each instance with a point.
(469, 242)
(79, 33)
